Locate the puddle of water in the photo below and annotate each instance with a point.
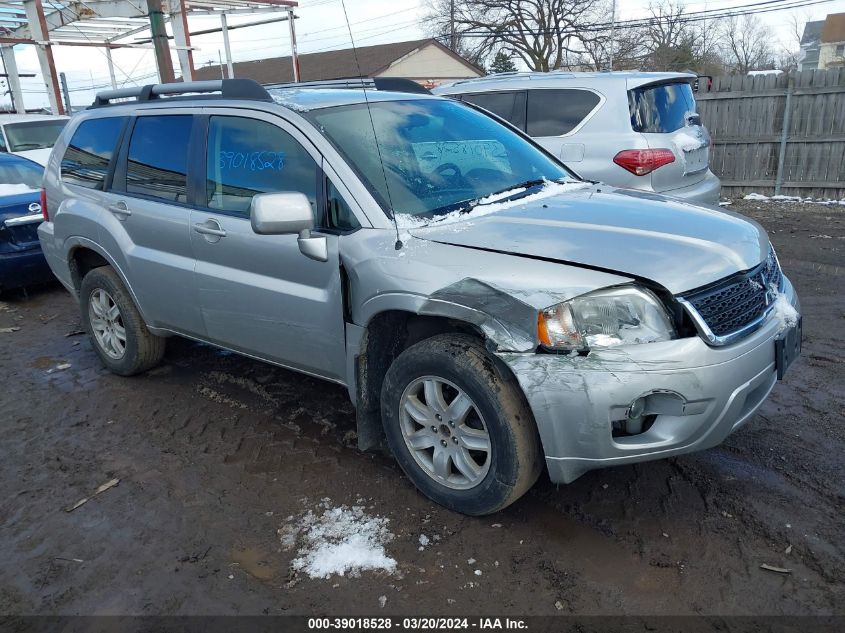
(46, 362)
(253, 562)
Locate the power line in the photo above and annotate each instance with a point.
(698, 16)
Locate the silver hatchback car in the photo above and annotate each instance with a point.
(489, 313)
(626, 129)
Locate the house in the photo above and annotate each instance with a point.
(427, 62)
(823, 43)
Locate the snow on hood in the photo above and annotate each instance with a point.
(489, 204)
(40, 156)
(676, 244)
(15, 189)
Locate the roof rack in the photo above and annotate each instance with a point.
(246, 89)
(395, 84)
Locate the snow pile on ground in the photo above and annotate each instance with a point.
(759, 197)
(490, 204)
(14, 189)
(338, 540)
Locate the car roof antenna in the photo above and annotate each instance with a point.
(373, 125)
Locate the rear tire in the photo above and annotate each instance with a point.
(118, 333)
(459, 425)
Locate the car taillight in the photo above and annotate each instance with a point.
(44, 205)
(643, 161)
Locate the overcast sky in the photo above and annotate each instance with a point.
(321, 26)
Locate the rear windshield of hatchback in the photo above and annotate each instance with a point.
(661, 108)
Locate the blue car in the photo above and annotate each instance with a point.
(21, 261)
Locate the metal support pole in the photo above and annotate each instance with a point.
(159, 37)
(65, 93)
(293, 54)
(111, 68)
(784, 135)
(225, 30)
(182, 38)
(8, 54)
(38, 28)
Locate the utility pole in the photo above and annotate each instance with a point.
(160, 41)
(453, 40)
(612, 32)
(65, 92)
(294, 55)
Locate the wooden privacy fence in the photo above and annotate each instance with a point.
(778, 134)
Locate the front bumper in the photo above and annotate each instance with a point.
(699, 394)
(21, 268)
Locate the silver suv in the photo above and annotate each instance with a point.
(626, 129)
(489, 313)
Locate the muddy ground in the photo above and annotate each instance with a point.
(214, 452)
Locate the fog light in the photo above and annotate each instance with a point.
(636, 409)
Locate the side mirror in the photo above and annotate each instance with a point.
(281, 213)
(288, 213)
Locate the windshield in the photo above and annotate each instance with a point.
(19, 176)
(436, 155)
(33, 134)
(661, 108)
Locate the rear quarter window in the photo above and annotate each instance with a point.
(508, 105)
(661, 108)
(88, 155)
(558, 112)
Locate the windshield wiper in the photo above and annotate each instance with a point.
(528, 184)
(22, 147)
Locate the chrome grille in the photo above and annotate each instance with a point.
(738, 301)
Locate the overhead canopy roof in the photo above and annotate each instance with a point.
(109, 21)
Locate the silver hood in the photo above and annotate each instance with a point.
(675, 244)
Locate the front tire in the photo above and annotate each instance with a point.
(118, 333)
(459, 426)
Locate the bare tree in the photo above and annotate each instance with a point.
(747, 42)
(543, 33)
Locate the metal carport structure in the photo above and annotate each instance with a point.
(107, 24)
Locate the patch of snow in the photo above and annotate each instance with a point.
(477, 572)
(490, 204)
(382, 600)
(287, 98)
(339, 540)
(784, 311)
(686, 141)
(759, 197)
(14, 189)
(424, 541)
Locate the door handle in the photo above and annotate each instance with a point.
(210, 227)
(120, 209)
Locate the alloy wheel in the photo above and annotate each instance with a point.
(107, 324)
(445, 432)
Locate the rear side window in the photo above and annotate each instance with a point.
(87, 157)
(662, 108)
(247, 157)
(557, 112)
(158, 157)
(508, 105)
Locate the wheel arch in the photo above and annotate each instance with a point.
(83, 255)
(384, 337)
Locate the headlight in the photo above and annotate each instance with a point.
(616, 316)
